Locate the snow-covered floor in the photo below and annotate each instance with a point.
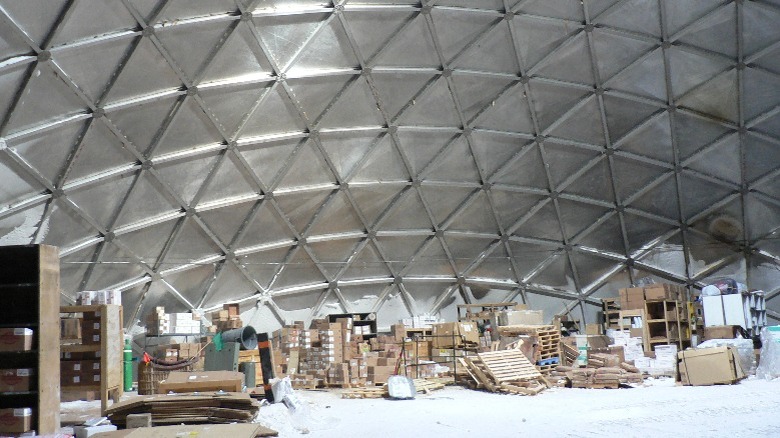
(748, 409)
(658, 409)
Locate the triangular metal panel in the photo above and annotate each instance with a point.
(432, 261)
(563, 9)
(400, 249)
(229, 181)
(373, 29)
(634, 16)
(17, 184)
(444, 201)
(262, 266)
(189, 127)
(373, 200)
(332, 255)
(186, 176)
(330, 48)
(455, 31)
(542, 225)
(356, 107)
(267, 160)
(300, 208)
(112, 268)
(528, 171)
(190, 244)
(607, 236)
(265, 227)
(434, 108)
(148, 243)
(645, 78)
(36, 17)
(465, 250)
(494, 52)
(100, 151)
(408, 213)
(414, 46)
(224, 222)
(285, 36)
(477, 217)
(454, 164)
(383, 164)
(239, 57)
(299, 270)
(47, 98)
(47, 151)
(231, 107)
(141, 124)
(614, 52)
(65, 226)
(146, 199)
(717, 97)
(347, 150)
(308, 168)
(367, 264)
(276, 115)
(651, 139)
(102, 201)
(92, 68)
(511, 206)
(144, 73)
(337, 217)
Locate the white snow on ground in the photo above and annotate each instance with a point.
(660, 408)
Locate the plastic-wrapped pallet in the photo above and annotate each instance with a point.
(744, 347)
(769, 368)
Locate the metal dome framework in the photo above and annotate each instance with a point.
(402, 156)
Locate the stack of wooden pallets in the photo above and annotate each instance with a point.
(505, 371)
(547, 338)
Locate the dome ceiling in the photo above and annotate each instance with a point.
(313, 157)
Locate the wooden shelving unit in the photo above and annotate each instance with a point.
(666, 323)
(358, 320)
(110, 349)
(30, 287)
(610, 309)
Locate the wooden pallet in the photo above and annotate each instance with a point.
(370, 392)
(424, 386)
(505, 371)
(508, 366)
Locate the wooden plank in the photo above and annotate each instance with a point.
(481, 377)
(48, 335)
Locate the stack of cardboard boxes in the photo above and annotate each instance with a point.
(160, 323)
(339, 354)
(16, 420)
(228, 318)
(635, 297)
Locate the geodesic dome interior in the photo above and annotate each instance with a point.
(306, 157)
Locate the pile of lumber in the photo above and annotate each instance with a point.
(600, 378)
(231, 430)
(546, 340)
(422, 386)
(504, 371)
(187, 408)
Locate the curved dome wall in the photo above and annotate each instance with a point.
(311, 157)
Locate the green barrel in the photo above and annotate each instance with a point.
(128, 366)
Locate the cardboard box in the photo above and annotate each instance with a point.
(661, 292)
(521, 317)
(15, 420)
(16, 339)
(721, 332)
(80, 365)
(183, 381)
(70, 328)
(16, 380)
(709, 366)
(453, 334)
